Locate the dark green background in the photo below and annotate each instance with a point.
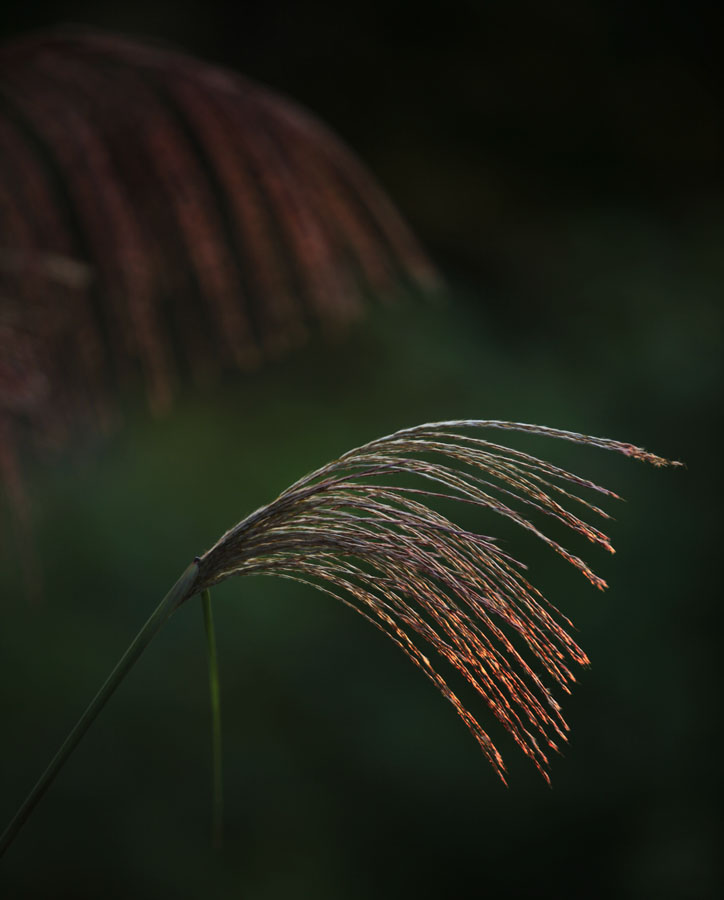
(562, 163)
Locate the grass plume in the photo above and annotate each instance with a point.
(348, 529)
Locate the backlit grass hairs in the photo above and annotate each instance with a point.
(351, 531)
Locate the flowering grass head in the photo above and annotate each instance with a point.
(360, 528)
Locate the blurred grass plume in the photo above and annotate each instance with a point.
(160, 218)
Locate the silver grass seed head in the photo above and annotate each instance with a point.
(351, 531)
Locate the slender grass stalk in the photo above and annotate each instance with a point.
(178, 593)
(217, 827)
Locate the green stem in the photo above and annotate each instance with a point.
(215, 695)
(159, 617)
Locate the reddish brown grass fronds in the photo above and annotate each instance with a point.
(221, 221)
(348, 529)
(162, 218)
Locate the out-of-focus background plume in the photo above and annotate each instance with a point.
(561, 165)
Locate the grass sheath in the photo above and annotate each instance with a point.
(178, 593)
(217, 827)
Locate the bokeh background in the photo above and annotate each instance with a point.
(562, 164)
